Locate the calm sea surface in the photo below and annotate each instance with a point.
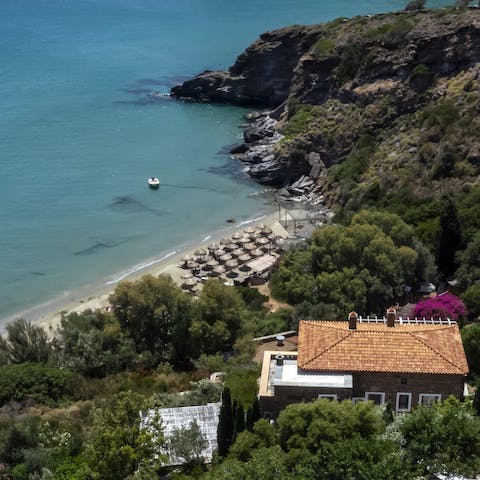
(80, 133)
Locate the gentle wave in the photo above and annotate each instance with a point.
(246, 222)
(139, 267)
(208, 237)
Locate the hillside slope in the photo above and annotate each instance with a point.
(369, 107)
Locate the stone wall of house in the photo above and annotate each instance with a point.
(287, 395)
(416, 384)
(388, 383)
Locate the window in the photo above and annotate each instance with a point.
(428, 399)
(328, 396)
(376, 397)
(404, 402)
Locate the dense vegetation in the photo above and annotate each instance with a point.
(408, 199)
(363, 266)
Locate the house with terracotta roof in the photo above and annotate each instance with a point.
(405, 362)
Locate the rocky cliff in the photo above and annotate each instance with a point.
(361, 105)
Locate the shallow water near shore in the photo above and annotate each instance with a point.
(82, 128)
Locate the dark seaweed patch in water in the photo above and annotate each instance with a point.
(166, 80)
(38, 274)
(136, 91)
(152, 98)
(192, 187)
(96, 246)
(127, 204)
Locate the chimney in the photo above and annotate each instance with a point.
(279, 360)
(391, 315)
(352, 320)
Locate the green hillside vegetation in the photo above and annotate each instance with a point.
(402, 172)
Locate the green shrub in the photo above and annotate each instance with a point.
(443, 113)
(350, 62)
(34, 380)
(420, 70)
(323, 46)
(299, 122)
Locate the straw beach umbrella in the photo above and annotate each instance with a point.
(231, 264)
(187, 258)
(262, 241)
(250, 246)
(218, 253)
(244, 258)
(256, 253)
(237, 235)
(200, 252)
(189, 283)
(238, 252)
(213, 246)
(225, 258)
(230, 247)
(249, 230)
(244, 240)
(192, 265)
(211, 264)
(186, 275)
(266, 231)
(219, 270)
(245, 267)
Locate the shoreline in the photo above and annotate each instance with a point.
(95, 295)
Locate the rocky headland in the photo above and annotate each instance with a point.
(357, 108)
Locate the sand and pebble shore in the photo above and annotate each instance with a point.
(48, 315)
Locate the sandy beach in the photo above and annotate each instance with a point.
(48, 315)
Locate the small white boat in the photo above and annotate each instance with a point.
(153, 182)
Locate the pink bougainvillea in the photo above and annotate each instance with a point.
(443, 306)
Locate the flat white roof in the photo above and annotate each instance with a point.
(288, 375)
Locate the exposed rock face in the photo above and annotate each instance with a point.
(261, 76)
(355, 76)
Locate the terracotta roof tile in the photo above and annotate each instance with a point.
(422, 348)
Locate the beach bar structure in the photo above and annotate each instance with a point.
(261, 268)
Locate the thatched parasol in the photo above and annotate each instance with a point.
(186, 275)
(238, 252)
(220, 270)
(192, 265)
(237, 235)
(187, 258)
(231, 264)
(212, 262)
(225, 258)
(244, 258)
(232, 274)
(219, 252)
(201, 252)
(266, 231)
(213, 246)
(244, 240)
(189, 283)
(249, 230)
(245, 267)
(230, 247)
(250, 246)
(262, 241)
(256, 253)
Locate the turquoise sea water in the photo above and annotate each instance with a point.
(79, 133)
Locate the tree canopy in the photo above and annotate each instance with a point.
(363, 266)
